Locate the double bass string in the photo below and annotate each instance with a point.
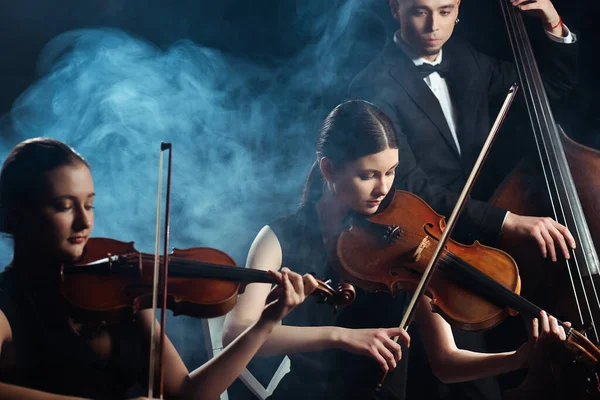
(521, 51)
(539, 111)
(519, 46)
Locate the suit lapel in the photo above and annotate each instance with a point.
(464, 87)
(403, 71)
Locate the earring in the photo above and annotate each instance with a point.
(457, 21)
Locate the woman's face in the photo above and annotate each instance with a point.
(362, 184)
(60, 225)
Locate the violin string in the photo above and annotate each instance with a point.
(507, 297)
(201, 269)
(406, 235)
(428, 251)
(498, 292)
(218, 271)
(451, 259)
(492, 290)
(502, 293)
(523, 49)
(522, 305)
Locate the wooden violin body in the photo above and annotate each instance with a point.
(394, 259)
(127, 289)
(474, 288)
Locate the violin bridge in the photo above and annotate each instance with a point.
(425, 243)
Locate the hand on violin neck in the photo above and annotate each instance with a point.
(375, 343)
(545, 335)
(547, 233)
(289, 293)
(543, 9)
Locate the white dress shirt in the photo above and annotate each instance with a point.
(437, 84)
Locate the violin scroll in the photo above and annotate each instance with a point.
(574, 368)
(343, 296)
(581, 349)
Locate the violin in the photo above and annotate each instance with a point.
(474, 288)
(113, 280)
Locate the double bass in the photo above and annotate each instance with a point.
(565, 176)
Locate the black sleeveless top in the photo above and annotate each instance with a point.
(333, 373)
(51, 357)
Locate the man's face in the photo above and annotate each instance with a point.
(426, 25)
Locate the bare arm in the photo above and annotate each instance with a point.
(265, 254)
(542, 381)
(215, 376)
(175, 371)
(451, 364)
(544, 9)
(212, 378)
(12, 392)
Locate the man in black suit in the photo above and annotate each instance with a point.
(437, 91)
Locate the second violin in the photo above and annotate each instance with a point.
(474, 288)
(114, 280)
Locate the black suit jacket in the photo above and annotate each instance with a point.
(430, 164)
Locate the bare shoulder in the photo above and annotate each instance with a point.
(267, 237)
(265, 252)
(5, 330)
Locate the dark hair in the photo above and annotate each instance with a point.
(354, 129)
(22, 175)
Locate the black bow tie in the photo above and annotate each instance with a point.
(427, 69)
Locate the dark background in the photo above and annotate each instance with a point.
(265, 33)
(260, 30)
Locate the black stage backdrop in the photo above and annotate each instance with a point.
(238, 86)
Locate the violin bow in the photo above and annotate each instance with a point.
(160, 275)
(432, 266)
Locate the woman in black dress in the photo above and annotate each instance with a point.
(341, 356)
(46, 205)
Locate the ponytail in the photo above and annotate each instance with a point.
(314, 186)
